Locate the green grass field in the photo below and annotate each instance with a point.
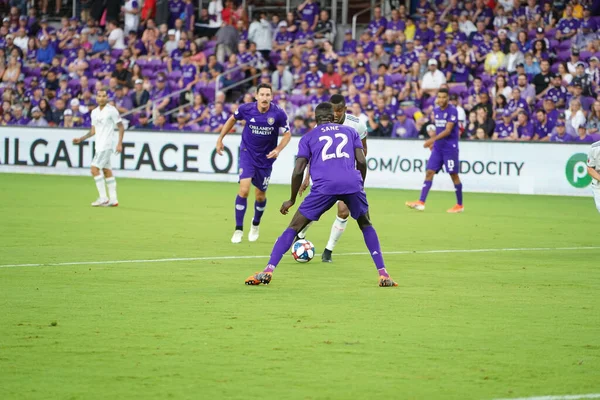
(462, 325)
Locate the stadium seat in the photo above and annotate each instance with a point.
(564, 55)
(587, 102)
(564, 45)
(459, 89)
(94, 63)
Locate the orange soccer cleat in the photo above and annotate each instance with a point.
(457, 209)
(258, 278)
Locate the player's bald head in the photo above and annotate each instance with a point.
(324, 113)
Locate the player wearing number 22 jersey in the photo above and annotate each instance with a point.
(335, 152)
(444, 152)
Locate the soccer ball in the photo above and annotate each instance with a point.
(303, 251)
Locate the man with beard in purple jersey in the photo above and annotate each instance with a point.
(265, 121)
(444, 152)
(338, 168)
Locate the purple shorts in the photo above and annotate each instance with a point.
(447, 158)
(260, 176)
(316, 204)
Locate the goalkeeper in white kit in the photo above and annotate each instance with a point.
(105, 118)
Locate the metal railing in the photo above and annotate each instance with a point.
(140, 108)
(238, 83)
(218, 78)
(355, 17)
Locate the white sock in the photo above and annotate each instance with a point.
(111, 183)
(100, 186)
(302, 233)
(339, 226)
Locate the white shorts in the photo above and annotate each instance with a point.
(596, 193)
(102, 159)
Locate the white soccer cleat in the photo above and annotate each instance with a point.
(416, 205)
(253, 234)
(100, 203)
(237, 236)
(112, 203)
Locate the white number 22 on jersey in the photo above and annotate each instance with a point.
(339, 153)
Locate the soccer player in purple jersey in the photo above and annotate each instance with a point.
(335, 152)
(339, 225)
(264, 123)
(444, 152)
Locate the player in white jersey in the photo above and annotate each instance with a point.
(593, 164)
(339, 225)
(105, 118)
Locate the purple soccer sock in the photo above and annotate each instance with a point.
(425, 190)
(259, 210)
(282, 245)
(458, 189)
(240, 211)
(372, 242)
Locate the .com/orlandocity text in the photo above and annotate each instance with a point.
(400, 164)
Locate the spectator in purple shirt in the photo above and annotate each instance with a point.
(404, 127)
(423, 33)
(583, 136)
(217, 119)
(181, 123)
(349, 45)
(299, 128)
(542, 128)
(309, 10)
(361, 78)
(560, 134)
(312, 79)
(567, 26)
(303, 34)
(517, 104)
(378, 24)
(395, 24)
(524, 127)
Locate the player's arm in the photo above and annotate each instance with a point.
(361, 162)
(121, 128)
(449, 126)
(297, 176)
(306, 182)
(287, 136)
(364, 143)
(227, 127)
(85, 137)
(591, 167)
(593, 173)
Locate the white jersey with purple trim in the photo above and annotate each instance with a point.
(358, 125)
(593, 160)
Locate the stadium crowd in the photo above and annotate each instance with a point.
(516, 70)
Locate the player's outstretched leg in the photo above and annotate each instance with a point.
(282, 245)
(420, 205)
(458, 208)
(260, 203)
(100, 185)
(372, 242)
(338, 228)
(241, 203)
(111, 184)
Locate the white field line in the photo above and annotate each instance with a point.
(564, 397)
(216, 258)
